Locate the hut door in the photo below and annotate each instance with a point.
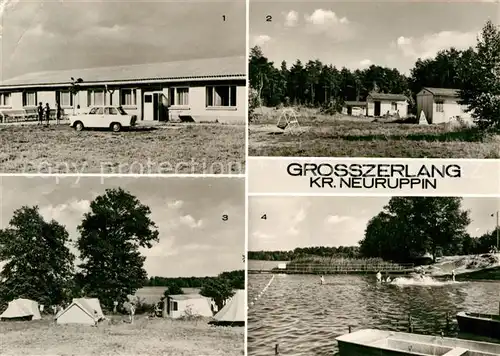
(377, 108)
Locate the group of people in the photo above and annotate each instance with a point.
(45, 112)
(382, 279)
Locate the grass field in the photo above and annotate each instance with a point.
(144, 337)
(181, 148)
(342, 136)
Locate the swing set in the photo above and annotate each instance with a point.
(288, 121)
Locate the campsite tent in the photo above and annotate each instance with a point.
(85, 311)
(182, 305)
(234, 311)
(21, 309)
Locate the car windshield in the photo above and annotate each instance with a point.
(121, 111)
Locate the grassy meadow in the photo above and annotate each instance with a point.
(170, 148)
(343, 136)
(116, 337)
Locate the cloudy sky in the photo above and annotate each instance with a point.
(356, 34)
(194, 241)
(66, 34)
(333, 221)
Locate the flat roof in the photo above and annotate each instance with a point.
(446, 92)
(384, 96)
(186, 296)
(195, 69)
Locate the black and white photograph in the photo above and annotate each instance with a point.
(399, 78)
(122, 266)
(358, 276)
(143, 87)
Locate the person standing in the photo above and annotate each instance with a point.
(47, 113)
(40, 114)
(58, 112)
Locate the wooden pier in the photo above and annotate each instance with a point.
(338, 269)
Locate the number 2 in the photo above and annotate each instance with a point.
(269, 18)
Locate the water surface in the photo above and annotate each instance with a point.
(304, 317)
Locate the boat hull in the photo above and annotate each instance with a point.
(487, 325)
(372, 342)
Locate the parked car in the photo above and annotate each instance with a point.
(113, 117)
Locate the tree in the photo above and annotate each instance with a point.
(110, 237)
(481, 91)
(39, 265)
(409, 227)
(74, 89)
(219, 289)
(173, 288)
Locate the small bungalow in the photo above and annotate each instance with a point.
(440, 105)
(354, 108)
(181, 305)
(191, 90)
(380, 104)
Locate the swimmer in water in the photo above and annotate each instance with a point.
(322, 280)
(379, 276)
(388, 279)
(453, 275)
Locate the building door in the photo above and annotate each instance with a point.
(153, 106)
(377, 109)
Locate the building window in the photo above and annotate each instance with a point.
(96, 97)
(65, 99)
(439, 106)
(128, 97)
(224, 95)
(29, 98)
(4, 99)
(174, 306)
(394, 106)
(179, 96)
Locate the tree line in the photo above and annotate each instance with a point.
(300, 252)
(39, 264)
(407, 230)
(474, 71)
(235, 278)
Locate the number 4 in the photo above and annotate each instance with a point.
(264, 217)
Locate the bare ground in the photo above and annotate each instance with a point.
(144, 337)
(182, 148)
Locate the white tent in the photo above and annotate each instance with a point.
(234, 310)
(182, 305)
(21, 308)
(85, 311)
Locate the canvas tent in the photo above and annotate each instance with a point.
(233, 312)
(182, 305)
(21, 309)
(85, 311)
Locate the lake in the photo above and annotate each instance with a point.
(153, 294)
(304, 317)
